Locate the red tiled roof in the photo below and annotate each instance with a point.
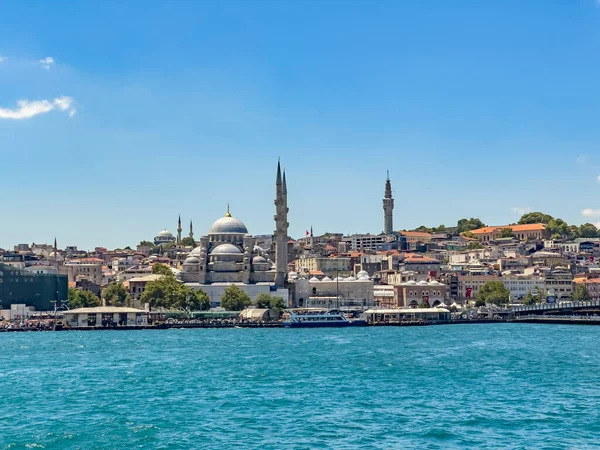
(514, 228)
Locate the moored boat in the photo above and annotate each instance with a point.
(318, 318)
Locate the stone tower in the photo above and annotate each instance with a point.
(388, 207)
(179, 230)
(281, 228)
(191, 230)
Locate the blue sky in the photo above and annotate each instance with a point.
(146, 110)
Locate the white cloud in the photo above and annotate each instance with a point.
(581, 158)
(3, 58)
(598, 177)
(26, 109)
(47, 62)
(521, 209)
(589, 212)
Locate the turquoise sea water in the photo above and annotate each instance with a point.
(461, 386)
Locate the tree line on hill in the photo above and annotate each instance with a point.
(555, 228)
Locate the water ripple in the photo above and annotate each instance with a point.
(512, 386)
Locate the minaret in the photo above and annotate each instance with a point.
(281, 228)
(55, 252)
(191, 230)
(388, 207)
(179, 231)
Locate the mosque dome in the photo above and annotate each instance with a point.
(228, 225)
(326, 279)
(314, 280)
(165, 233)
(362, 274)
(225, 249)
(351, 278)
(196, 252)
(191, 260)
(259, 260)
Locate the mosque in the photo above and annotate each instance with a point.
(228, 255)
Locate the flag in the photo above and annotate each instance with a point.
(468, 292)
(307, 233)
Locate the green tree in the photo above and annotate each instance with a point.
(506, 233)
(264, 300)
(539, 297)
(146, 244)
(580, 294)
(234, 299)
(188, 242)
(278, 303)
(82, 299)
(535, 217)
(588, 230)
(468, 225)
(168, 293)
(161, 269)
(115, 294)
(475, 245)
(423, 229)
(558, 226)
(493, 292)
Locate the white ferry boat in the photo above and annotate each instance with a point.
(316, 318)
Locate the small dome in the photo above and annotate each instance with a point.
(191, 260)
(165, 233)
(314, 280)
(411, 283)
(435, 283)
(226, 249)
(350, 279)
(326, 279)
(259, 260)
(196, 252)
(422, 283)
(228, 225)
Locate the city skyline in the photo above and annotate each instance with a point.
(477, 111)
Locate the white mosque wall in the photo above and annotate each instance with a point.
(215, 291)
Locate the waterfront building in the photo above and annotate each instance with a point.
(414, 294)
(227, 255)
(592, 285)
(37, 290)
(334, 293)
(397, 315)
(469, 285)
(105, 316)
(383, 296)
(520, 285)
(560, 282)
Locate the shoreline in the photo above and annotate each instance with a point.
(538, 320)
